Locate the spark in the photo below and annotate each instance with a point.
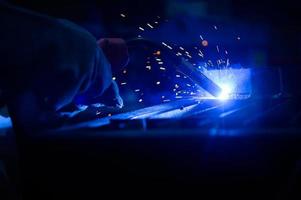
(178, 76)
(122, 15)
(124, 71)
(149, 25)
(142, 29)
(109, 115)
(201, 54)
(228, 62)
(163, 68)
(123, 83)
(156, 22)
(158, 59)
(177, 86)
(201, 37)
(205, 43)
(166, 100)
(220, 61)
(148, 67)
(160, 63)
(157, 53)
(158, 82)
(226, 52)
(210, 63)
(137, 90)
(215, 27)
(217, 48)
(181, 48)
(166, 45)
(238, 38)
(113, 78)
(140, 100)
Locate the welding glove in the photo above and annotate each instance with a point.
(46, 64)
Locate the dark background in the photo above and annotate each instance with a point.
(279, 19)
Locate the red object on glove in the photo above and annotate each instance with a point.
(116, 51)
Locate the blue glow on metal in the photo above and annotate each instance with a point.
(226, 91)
(235, 82)
(5, 122)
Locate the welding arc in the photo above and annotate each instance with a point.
(181, 65)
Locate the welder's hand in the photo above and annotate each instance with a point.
(111, 96)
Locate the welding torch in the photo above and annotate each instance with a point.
(181, 65)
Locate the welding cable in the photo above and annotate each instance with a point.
(180, 64)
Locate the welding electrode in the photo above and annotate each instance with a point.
(183, 66)
(199, 78)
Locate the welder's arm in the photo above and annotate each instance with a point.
(49, 62)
